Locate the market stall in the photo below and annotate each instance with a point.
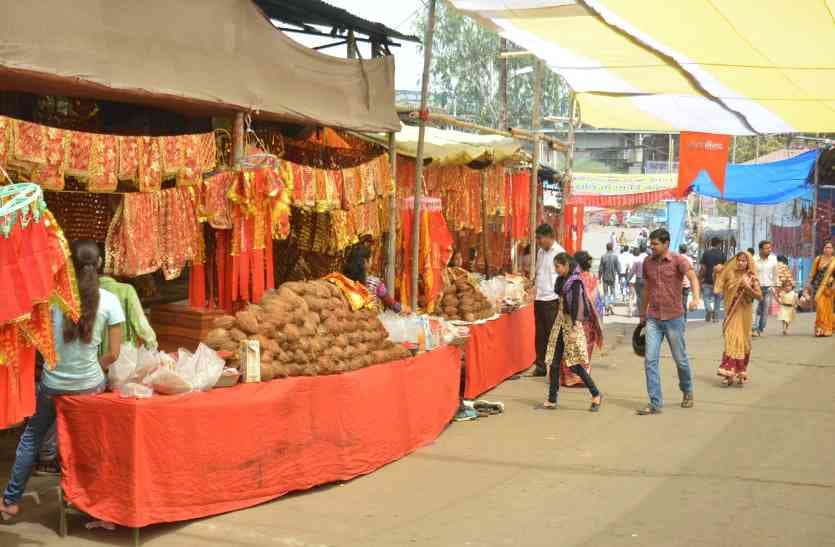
(167, 459)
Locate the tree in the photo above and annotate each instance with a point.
(465, 74)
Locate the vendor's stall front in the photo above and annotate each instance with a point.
(496, 350)
(164, 459)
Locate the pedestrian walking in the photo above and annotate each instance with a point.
(766, 265)
(822, 289)
(738, 282)
(625, 261)
(637, 278)
(710, 259)
(662, 310)
(545, 299)
(568, 340)
(608, 272)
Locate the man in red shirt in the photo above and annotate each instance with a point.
(662, 309)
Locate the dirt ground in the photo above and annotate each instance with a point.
(745, 467)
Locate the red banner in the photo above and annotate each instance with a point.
(621, 201)
(702, 151)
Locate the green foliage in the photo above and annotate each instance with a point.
(746, 147)
(465, 74)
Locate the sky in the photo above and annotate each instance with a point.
(396, 14)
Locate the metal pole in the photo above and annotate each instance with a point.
(535, 118)
(238, 138)
(391, 248)
(815, 206)
(424, 92)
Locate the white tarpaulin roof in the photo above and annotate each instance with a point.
(723, 66)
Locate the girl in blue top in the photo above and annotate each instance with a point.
(79, 370)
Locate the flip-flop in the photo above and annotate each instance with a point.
(544, 407)
(595, 407)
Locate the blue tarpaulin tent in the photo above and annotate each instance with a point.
(763, 183)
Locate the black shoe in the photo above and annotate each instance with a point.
(539, 373)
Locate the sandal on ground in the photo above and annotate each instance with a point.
(595, 407)
(648, 411)
(546, 406)
(687, 401)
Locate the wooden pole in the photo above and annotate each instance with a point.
(536, 114)
(424, 96)
(352, 45)
(484, 222)
(565, 229)
(238, 138)
(391, 247)
(513, 132)
(503, 85)
(815, 204)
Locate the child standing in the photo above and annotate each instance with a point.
(788, 305)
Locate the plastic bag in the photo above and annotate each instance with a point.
(138, 391)
(121, 371)
(167, 382)
(203, 369)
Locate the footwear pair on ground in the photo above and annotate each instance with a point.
(596, 403)
(649, 410)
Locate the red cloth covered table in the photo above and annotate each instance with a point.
(164, 459)
(497, 350)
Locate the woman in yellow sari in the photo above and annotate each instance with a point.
(737, 281)
(823, 290)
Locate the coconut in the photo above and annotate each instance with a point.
(267, 371)
(224, 322)
(247, 322)
(216, 337)
(237, 335)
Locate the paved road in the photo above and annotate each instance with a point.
(745, 467)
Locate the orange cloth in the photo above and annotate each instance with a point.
(356, 293)
(497, 350)
(173, 458)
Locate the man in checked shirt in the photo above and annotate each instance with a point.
(663, 311)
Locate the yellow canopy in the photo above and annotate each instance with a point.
(724, 66)
(446, 147)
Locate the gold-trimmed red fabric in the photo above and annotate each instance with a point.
(50, 175)
(104, 164)
(128, 158)
(5, 139)
(150, 165)
(80, 148)
(29, 142)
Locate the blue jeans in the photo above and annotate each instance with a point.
(608, 293)
(33, 436)
(762, 310)
(656, 330)
(713, 301)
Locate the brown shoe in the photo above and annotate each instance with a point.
(687, 401)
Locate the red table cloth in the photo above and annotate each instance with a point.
(497, 350)
(171, 458)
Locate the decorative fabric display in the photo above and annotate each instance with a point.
(83, 215)
(435, 251)
(249, 209)
(35, 271)
(152, 231)
(324, 190)
(46, 154)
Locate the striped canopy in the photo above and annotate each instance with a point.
(721, 66)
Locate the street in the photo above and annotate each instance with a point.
(745, 467)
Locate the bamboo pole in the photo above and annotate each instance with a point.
(424, 96)
(513, 133)
(565, 229)
(503, 85)
(391, 247)
(484, 222)
(536, 114)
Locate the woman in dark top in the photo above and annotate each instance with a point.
(568, 337)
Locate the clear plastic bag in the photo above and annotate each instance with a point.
(138, 391)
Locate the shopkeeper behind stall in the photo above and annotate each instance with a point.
(356, 269)
(79, 369)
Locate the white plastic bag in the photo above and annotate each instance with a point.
(203, 369)
(121, 371)
(167, 382)
(135, 390)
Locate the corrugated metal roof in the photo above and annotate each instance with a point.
(316, 12)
